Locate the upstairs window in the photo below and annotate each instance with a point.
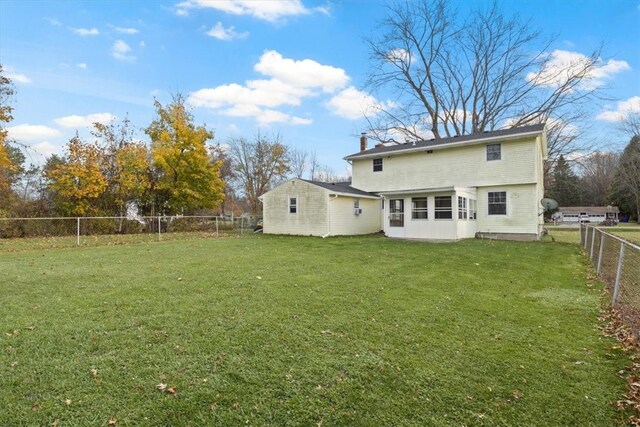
(293, 205)
(462, 208)
(419, 208)
(497, 203)
(443, 208)
(377, 165)
(494, 152)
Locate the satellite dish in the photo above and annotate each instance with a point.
(549, 204)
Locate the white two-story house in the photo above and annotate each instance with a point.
(487, 184)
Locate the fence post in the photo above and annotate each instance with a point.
(616, 289)
(78, 233)
(241, 225)
(593, 241)
(159, 229)
(217, 227)
(586, 235)
(600, 254)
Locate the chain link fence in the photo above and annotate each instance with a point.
(81, 230)
(617, 262)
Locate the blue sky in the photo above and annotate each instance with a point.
(297, 67)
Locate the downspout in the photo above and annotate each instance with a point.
(335, 196)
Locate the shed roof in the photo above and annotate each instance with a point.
(341, 187)
(437, 143)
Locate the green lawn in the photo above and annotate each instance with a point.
(630, 234)
(268, 330)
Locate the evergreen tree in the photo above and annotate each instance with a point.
(565, 188)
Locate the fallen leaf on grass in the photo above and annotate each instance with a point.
(258, 277)
(67, 402)
(213, 406)
(94, 372)
(161, 387)
(171, 390)
(35, 407)
(112, 421)
(517, 394)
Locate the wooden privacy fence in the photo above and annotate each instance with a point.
(617, 263)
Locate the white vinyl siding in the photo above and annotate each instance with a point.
(522, 209)
(311, 209)
(343, 220)
(457, 166)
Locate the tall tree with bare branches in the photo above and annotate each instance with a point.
(259, 165)
(456, 75)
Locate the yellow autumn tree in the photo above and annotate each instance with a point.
(125, 166)
(185, 177)
(78, 181)
(7, 168)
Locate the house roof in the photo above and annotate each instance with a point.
(341, 187)
(588, 209)
(453, 141)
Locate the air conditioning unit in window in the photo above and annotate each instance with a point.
(357, 211)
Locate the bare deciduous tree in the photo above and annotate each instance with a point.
(259, 165)
(630, 124)
(596, 172)
(298, 162)
(459, 76)
(625, 186)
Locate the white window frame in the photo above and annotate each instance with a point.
(462, 208)
(506, 203)
(486, 156)
(424, 209)
(473, 209)
(381, 164)
(437, 210)
(294, 205)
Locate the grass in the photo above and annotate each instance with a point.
(269, 330)
(632, 235)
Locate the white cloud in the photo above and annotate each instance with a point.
(18, 78)
(291, 81)
(264, 116)
(45, 149)
(142, 43)
(27, 132)
(81, 65)
(53, 22)
(399, 55)
(85, 31)
(305, 73)
(268, 10)
(123, 30)
(353, 104)
(75, 121)
(120, 50)
(622, 111)
(562, 64)
(221, 33)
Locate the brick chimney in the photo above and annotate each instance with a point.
(363, 141)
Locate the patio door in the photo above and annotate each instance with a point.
(396, 213)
